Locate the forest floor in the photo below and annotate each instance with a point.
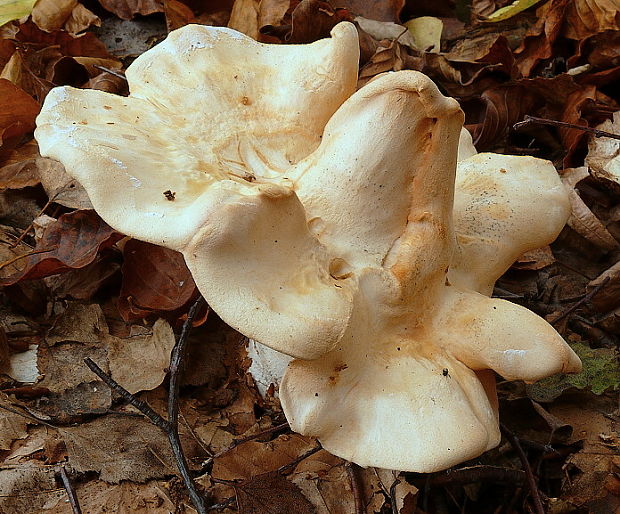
(73, 288)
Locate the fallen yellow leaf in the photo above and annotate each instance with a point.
(14, 9)
(510, 10)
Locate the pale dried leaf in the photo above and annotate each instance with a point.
(98, 497)
(387, 30)
(213, 435)
(426, 32)
(535, 259)
(244, 17)
(141, 363)
(119, 448)
(254, 458)
(25, 489)
(80, 19)
(60, 187)
(80, 323)
(406, 497)
(12, 427)
(23, 366)
(51, 15)
(608, 297)
(603, 157)
(582, 220)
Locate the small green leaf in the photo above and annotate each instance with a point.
(510, 10)
(14, 9)
(601, 371)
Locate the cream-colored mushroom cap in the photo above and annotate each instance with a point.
(406, 387)
(322, 222)
(219, 119)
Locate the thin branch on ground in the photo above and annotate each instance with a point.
(477, 474)
(529, 475)
(73, 499)
(393, 496)
(529, 120)
(578, 304)
(118, 74)
(170, 427)
(303, 456)
(252, 437)
(27, 415)
(356, 487)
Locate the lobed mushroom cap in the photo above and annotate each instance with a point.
(324, 223)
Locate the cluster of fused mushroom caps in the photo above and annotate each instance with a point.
(356, 235)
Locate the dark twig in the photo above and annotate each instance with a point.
(143, 407)
(238, 442)
(531, 481)
(585, 299)
(27, 415)
(73, 499)
(176, 367)
(356, 488)
(528, 120)
(303, 456)
(393, 496)
(111, 72)
(170, 427)
(477, 474)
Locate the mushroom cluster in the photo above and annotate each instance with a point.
(331, 225)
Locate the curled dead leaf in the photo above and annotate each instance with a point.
(72, 242)
(155, 281)
(582, 219)
(603, 157)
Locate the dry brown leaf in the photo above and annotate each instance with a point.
(50, 15)
(80, 323)
(60, 187)
(83, 283)
(127, 9)
(12, 427)
(19, 170)
(63, 366)
(535, 259)
(155, 281)
(26, 489)
(17, 112)
(385, 10)
(271, 12)
(585, 18)
(603, 157)
(593, 424)
(81, 19)
(140, 363)
(271, 494)
(177, 14)
(538, 42)
(406, 496)
(387, 30)
(98, 497)
(608, 298)
(244, 17)
(254, 458)
(582, 220)
(119, 448)
(72, 242)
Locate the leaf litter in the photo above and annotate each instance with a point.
(74, 288)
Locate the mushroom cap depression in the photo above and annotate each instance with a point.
(323, 222)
